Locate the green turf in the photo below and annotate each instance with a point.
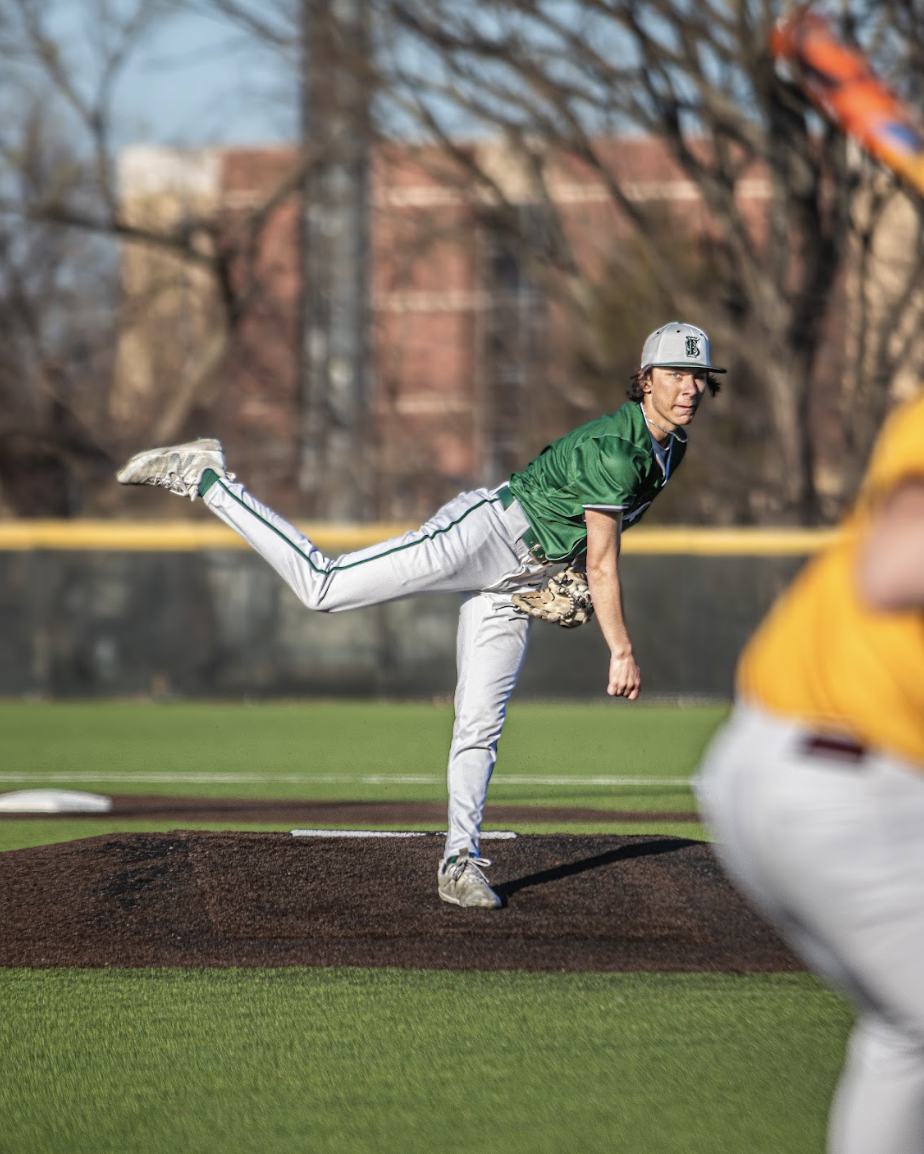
(355, 1061)
(602, 756)
(349, 750)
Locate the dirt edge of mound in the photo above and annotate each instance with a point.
(194, 898)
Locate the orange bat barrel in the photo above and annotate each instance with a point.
(839, 81)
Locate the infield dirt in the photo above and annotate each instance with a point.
(193, 898)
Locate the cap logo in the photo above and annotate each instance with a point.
(692, 347)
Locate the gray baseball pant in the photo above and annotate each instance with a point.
(472, 546)
(830, 848)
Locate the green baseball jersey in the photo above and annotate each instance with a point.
(609, 464)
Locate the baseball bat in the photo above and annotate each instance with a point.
(838, 80)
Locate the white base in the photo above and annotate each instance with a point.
(53, 801)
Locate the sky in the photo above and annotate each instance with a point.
(195, 85)
(198, 82)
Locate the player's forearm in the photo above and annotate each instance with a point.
(890, 564)
(603, 535)
(624, 676)
(606, 593)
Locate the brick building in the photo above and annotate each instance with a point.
(471, 354)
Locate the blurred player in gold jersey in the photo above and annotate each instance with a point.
(815, 787)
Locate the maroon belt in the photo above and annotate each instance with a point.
(836, 747)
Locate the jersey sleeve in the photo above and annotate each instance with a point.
(606, 475)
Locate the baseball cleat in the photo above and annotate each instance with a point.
(177, 468)
(461, 882)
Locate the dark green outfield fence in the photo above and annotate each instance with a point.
(109, 610)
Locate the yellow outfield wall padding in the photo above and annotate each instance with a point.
(333, 539)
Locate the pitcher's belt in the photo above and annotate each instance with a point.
(506, 497)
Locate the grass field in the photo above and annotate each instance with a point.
(370, 1061)
(606, 756)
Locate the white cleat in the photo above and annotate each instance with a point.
(461, 882)
(177, 468)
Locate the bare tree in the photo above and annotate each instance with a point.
(61, 196)
(802, 258)
(560, 82)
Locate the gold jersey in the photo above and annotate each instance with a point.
(823, 657)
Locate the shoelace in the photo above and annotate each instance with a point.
(175, 484)
(463, 864)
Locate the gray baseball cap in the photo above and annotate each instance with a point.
(678, 346)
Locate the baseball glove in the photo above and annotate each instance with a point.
(564, 600)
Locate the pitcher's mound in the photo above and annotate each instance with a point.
(184, 898)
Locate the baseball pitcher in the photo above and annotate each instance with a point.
(502, 550)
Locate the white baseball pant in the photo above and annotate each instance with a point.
(830, 848)
(471, 546)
